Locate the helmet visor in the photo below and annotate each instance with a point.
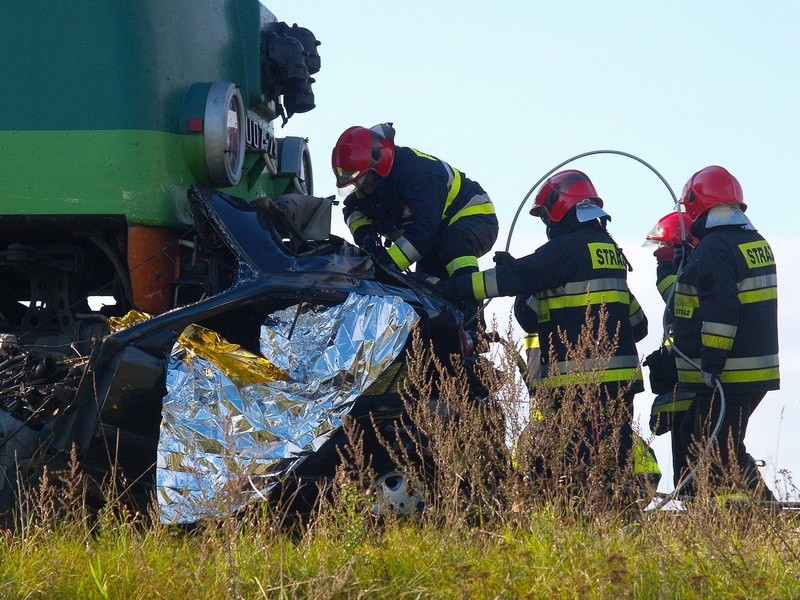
(344, 178)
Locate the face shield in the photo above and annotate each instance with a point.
(586, 210)
(362, 182)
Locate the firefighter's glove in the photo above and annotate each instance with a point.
(665, 255)
(709, 379)
(370, 245)
(445, 288)
(502, 258)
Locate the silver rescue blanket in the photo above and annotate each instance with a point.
(224, 441)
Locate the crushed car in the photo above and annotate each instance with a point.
(245, 384)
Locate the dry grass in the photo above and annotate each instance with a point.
(497, 523)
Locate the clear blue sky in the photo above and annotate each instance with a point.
(507, 91)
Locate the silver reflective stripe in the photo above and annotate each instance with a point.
(757, 283)
(637, 317)
(734, 364)
(583, 287)
(719, 329)
(450, 175)
(686, 289)
(408, 249)
(490, 281)
(476, 201)
(533, 302)
(357, 215)
(591, 364)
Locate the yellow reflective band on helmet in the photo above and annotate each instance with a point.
(460, 263)
(400, 259)
(478, 286)
(531, 341)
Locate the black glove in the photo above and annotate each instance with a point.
(502, 258)
(444, 288)
(369, 244)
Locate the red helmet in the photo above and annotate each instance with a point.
(561, 192)
(360, 150)
(668, 230)
(711, 187)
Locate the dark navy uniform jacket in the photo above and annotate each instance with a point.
(415, 203)
(726, 312)
(579, 267)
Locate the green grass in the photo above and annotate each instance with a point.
(493, 527)
(546, 553)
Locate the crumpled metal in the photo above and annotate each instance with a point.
(224, 443)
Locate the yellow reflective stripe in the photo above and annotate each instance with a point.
(460, 263)
(664, 285)
(356, 220)
(634, 307)
(677, 406)
(594, 364)
(578, 300)
(455, 188)
(716, 341)
(400, 259)
(593, 377)
(693, 376)
(531, 341)
(688, 301)
(758, 295)
(478, 286)
(643, 461)
(736, 364)
(468, 211)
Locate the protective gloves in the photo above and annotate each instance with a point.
(665, 255)
(370, 245)
(502, 258)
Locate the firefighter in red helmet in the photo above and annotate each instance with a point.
(725, 327)
(579, 270)
(429, 212)
(670, 235)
